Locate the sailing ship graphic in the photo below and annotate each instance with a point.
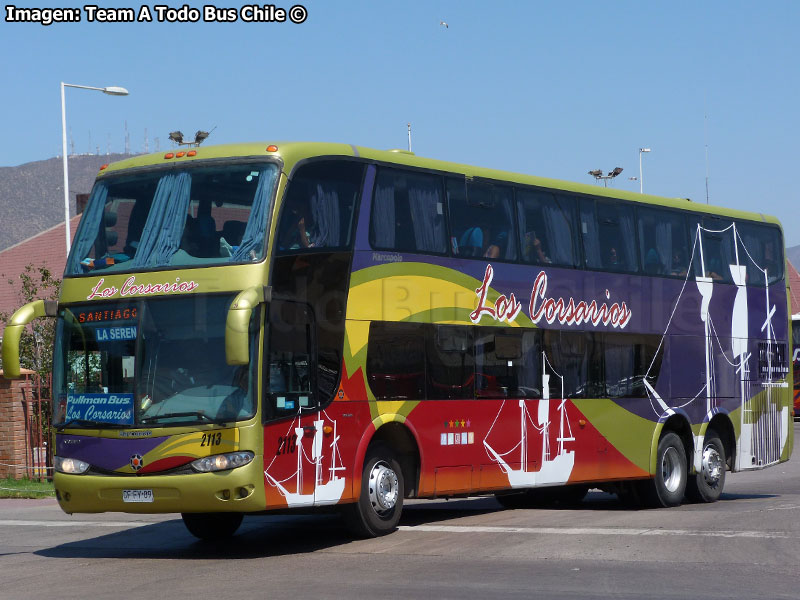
(764, 426)
(328, 484)
(555, 468)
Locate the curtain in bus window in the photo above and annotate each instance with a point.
(558, 225)
(504, 237)
(718, 251)
(663, 239)
(424, 198)
(90, 225)
(619, 360)
(628, 241)
(590, 235)
(617, 237)
(383, 215)
(256, 229)
(325, 212)
(162, 232)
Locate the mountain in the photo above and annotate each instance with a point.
(793, 254)
(32, 194)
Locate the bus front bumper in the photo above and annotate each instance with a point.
(236, 490)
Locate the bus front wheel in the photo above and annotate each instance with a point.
(212, 526)
(707, 484)
(380, 501)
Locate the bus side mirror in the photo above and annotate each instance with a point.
(237, 323)
(13, 332)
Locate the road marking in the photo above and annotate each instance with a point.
(596, 531)
(118, 524)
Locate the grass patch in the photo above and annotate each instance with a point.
(25, 488)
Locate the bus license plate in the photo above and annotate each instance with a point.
(137, 495)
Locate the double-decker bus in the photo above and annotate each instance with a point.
(245, 328)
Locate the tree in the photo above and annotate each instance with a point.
(36, 343)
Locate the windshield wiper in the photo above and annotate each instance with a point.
(197, 413)
(88, 423)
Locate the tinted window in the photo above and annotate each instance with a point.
(450, 362)
(546, 225)
(718, 250)
(396, 360)
(508, 363)
(481, 220)
(609, 236)
(202, 215)
(290, 371)
(663, 242)
(760, 249)
(319, 205)
(407, 213)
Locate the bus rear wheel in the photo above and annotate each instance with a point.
(380, 501)
(707, 484)
(666, 489)
(212, 526)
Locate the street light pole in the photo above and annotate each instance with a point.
(641, 180)
(111, 91)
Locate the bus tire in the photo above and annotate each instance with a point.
(212, 526)
(707, 485)
(380, 502)
(666, 489)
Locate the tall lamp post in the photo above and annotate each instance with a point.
(641, 181)
(111, 91)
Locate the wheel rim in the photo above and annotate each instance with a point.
(671, 469)
(383, 488)
(712, 465)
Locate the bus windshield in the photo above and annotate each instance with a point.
(197, 216)
(148, 363)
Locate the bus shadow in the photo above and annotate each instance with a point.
(260, 536)
(264, 536)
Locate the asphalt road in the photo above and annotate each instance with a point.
(747, 545)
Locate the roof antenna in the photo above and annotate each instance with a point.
(409, 136)
(705, 135)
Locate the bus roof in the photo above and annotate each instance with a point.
(291, 153)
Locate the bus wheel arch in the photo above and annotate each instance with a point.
(390, 460)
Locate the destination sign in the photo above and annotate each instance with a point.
(113, 334)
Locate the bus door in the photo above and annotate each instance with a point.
(292, 457)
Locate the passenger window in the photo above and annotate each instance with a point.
(408, 213)
(508, 363)
(760, 250)
(481, 220)
(450, 363)
(546, 228)
(663, 242)
(319, 206)
(718, 250)
(396, 361)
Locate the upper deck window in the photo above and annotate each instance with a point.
(199, 216)
(408, 213)
(481, 220)
(319, 205)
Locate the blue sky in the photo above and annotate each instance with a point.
(546, 88)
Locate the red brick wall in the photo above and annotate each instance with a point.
(14, 459)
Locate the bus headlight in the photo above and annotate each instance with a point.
(73, 466)
(222, 462)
